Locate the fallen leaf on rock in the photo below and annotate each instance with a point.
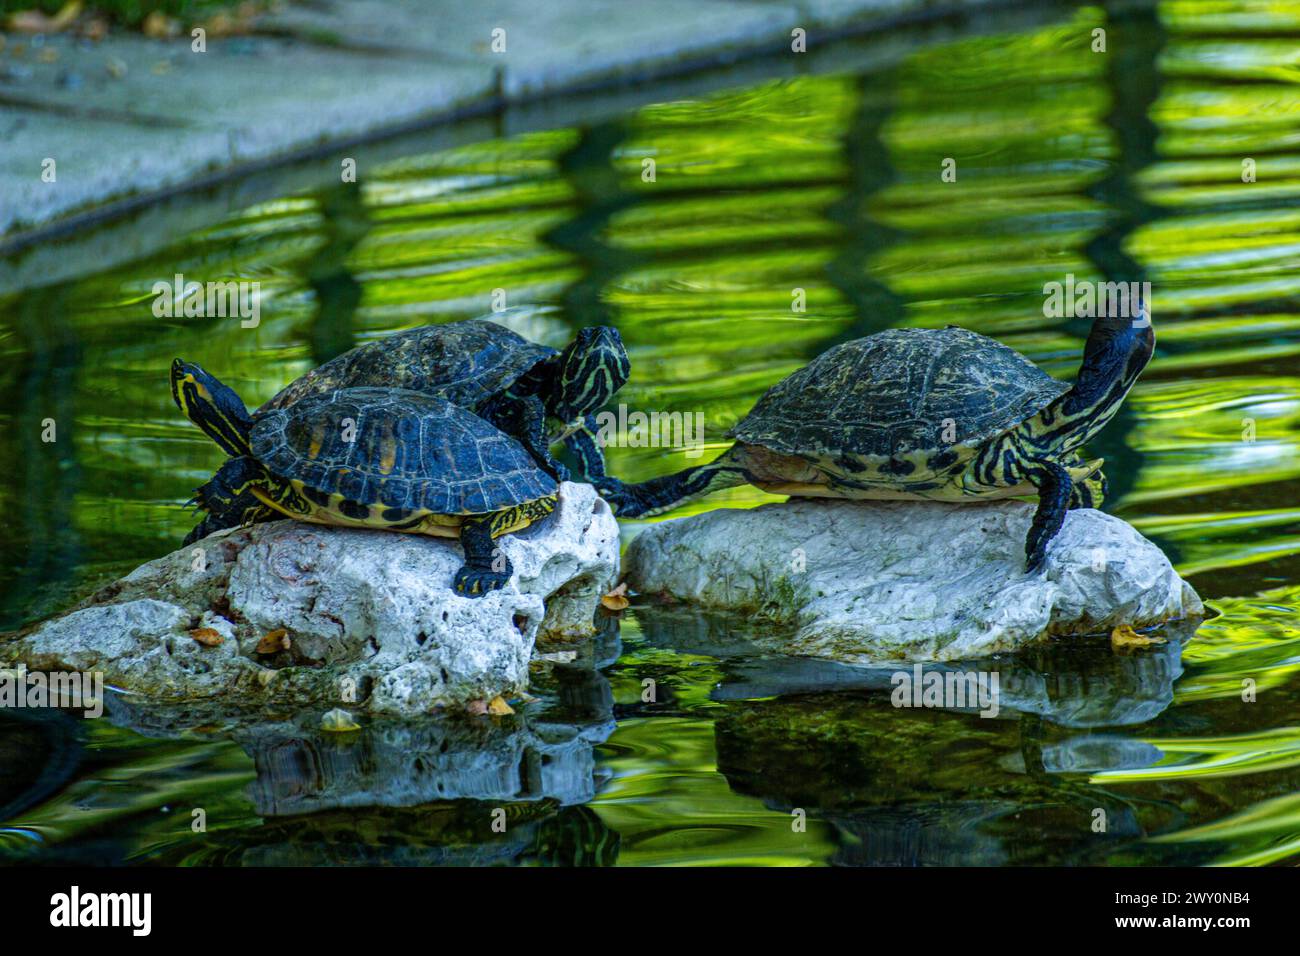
(498, 707)
(616, 600)
(476, 708)
(160, 26)
(95, 29)
(207, 636)
(557, 657)
(1124, 638)
(220, 25)
(35, 21)
(274, 641)
(338, 721)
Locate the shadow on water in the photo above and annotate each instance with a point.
(1135, 38)
(41, 439)
(697, 743)
(344, 223)
(875, 305)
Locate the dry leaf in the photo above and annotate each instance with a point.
(34, 21)
(274, 641)
(1124, 637)
(616, 600)
(160, 26)
(220, 25)
(499, 708)
(95, 29)
(557, 657)
(338, 721)
(207, 636)
(29, 21)
(67, 13)
(476, 708)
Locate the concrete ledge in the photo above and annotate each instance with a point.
(131, 120)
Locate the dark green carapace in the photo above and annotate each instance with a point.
(931, 414)
(371, 458)
(531, 392)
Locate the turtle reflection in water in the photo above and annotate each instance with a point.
(929, 414)
(372, 458)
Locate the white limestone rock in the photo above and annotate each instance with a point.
(370, 610)
(915, 581)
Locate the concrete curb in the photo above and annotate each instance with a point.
(232, 122)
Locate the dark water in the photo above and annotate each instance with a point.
(1123, 165)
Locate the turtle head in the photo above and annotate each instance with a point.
(591, 369)
(1119, 347)
(212, 406)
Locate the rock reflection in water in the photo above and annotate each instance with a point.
(1074, 683)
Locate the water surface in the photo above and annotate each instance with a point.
(1123, 165)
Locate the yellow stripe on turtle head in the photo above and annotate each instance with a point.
(212, 406)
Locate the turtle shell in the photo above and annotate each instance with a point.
(900, 394)
(466, 363)
(407, 451)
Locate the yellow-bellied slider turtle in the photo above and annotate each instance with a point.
(531, 392)
(940, 415)
(376, 458)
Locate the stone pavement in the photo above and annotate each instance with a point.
(131, 121)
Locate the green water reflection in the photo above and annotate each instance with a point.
(1122, 165)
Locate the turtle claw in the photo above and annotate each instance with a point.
(473, 583)
(1036, 556)
(616, 495)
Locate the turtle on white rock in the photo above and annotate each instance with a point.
(912, 581)
(372, 615)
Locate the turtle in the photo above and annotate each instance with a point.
(931, 414)
(387, 458)
(484, 367)
(499, 375)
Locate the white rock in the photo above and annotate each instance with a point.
(915, 581)
(372, 610)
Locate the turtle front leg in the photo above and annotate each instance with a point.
(485, 569)
(1055, 489)
(584, 447)
(228, 499)
(525, 419)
